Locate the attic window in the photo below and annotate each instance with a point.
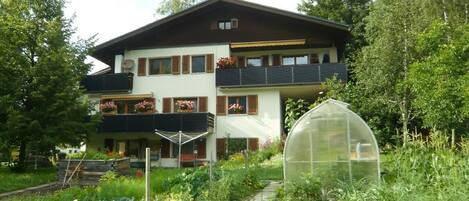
(224, 25)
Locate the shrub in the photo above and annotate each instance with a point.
(92, 155)
(108, 176)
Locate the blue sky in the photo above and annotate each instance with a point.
(111, 18)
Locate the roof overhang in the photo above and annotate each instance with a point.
(268, 43)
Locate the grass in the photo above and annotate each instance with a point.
(131, 187)
(11, 181)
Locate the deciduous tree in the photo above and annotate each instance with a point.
(41, 103)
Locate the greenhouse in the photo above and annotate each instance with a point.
(332, 143)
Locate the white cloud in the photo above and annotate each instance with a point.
(112, 18)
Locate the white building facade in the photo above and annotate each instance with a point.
(233, 106)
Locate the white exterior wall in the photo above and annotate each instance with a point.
(182, 85)
(266, 124)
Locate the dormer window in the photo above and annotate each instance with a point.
(224, 25)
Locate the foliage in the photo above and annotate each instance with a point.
(41, 103)
(349, 12)
(294, 109)
(169, 7)
(108, 177)
(307, 188)
(94, 155)
(424, 169)
(14, 181)
(441, 79)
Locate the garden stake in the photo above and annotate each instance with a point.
(147, 174)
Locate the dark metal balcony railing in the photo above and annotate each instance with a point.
(279, 75)
(119, 82)
(185, 122)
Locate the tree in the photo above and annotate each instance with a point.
(440, 81)
(41, 103)
(349, 12)
(169, 7)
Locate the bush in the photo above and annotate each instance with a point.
(92, 155)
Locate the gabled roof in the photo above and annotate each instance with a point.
(204, 4)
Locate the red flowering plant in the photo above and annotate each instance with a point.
(235, 108)
(108, 107)
(145, 106)
(185, 105)
(226, 62)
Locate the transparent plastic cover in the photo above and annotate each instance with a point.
(332, 143)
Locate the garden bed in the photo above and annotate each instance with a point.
(88, 172)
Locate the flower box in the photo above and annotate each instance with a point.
(145, 107)
(226, 62)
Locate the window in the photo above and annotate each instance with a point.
(126, 106)
(254, 61)
(294, 60)
(160, 66)
(224, 25)
(185, 104)
(237, 105)
(198, 64)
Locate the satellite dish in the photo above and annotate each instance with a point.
(128, 64)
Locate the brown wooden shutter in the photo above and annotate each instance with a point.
(314, 59)
(265, 60)
(142, 66)
(253, 144)
(252, 104)
(201, 148)
(214, 25)
(203, 104)
(165, 148)
(234, 23)
(240, 60)
(221, 105)
(221, 148)
(276, 60)
(176, 65)
(185, 64)
(166, 105)
(209, 62)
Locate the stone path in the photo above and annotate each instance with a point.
(268, 193)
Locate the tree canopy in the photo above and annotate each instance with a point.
(168, 7)
(41, 103)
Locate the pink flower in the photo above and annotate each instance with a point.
(145, 106)
(226, 62)
(185, 104)
(108, 106)
(236, 108)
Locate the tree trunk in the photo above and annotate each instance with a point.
(22, 157)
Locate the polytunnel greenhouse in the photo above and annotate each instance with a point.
(332, 143)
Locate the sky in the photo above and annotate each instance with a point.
(108, 19)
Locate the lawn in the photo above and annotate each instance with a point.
(11, 181)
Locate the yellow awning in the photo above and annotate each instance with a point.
(127, 96)
(268, 43)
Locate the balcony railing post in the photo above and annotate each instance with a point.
(319, 72)
(292, 74)
(240, 77)
(265, 75)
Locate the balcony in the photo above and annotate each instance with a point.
(108, 83)
(279, 75)
(185, 122)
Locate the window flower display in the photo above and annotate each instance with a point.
(236, 108)
(108, 107)
(226, 62)
(145, 106)
(185, 105)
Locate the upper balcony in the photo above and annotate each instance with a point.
(173, 122)
(279, 75)
(108, 83)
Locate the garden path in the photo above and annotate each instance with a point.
(268, 193)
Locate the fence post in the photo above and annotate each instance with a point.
(210, 167)
(452, 138)
(147, 174)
